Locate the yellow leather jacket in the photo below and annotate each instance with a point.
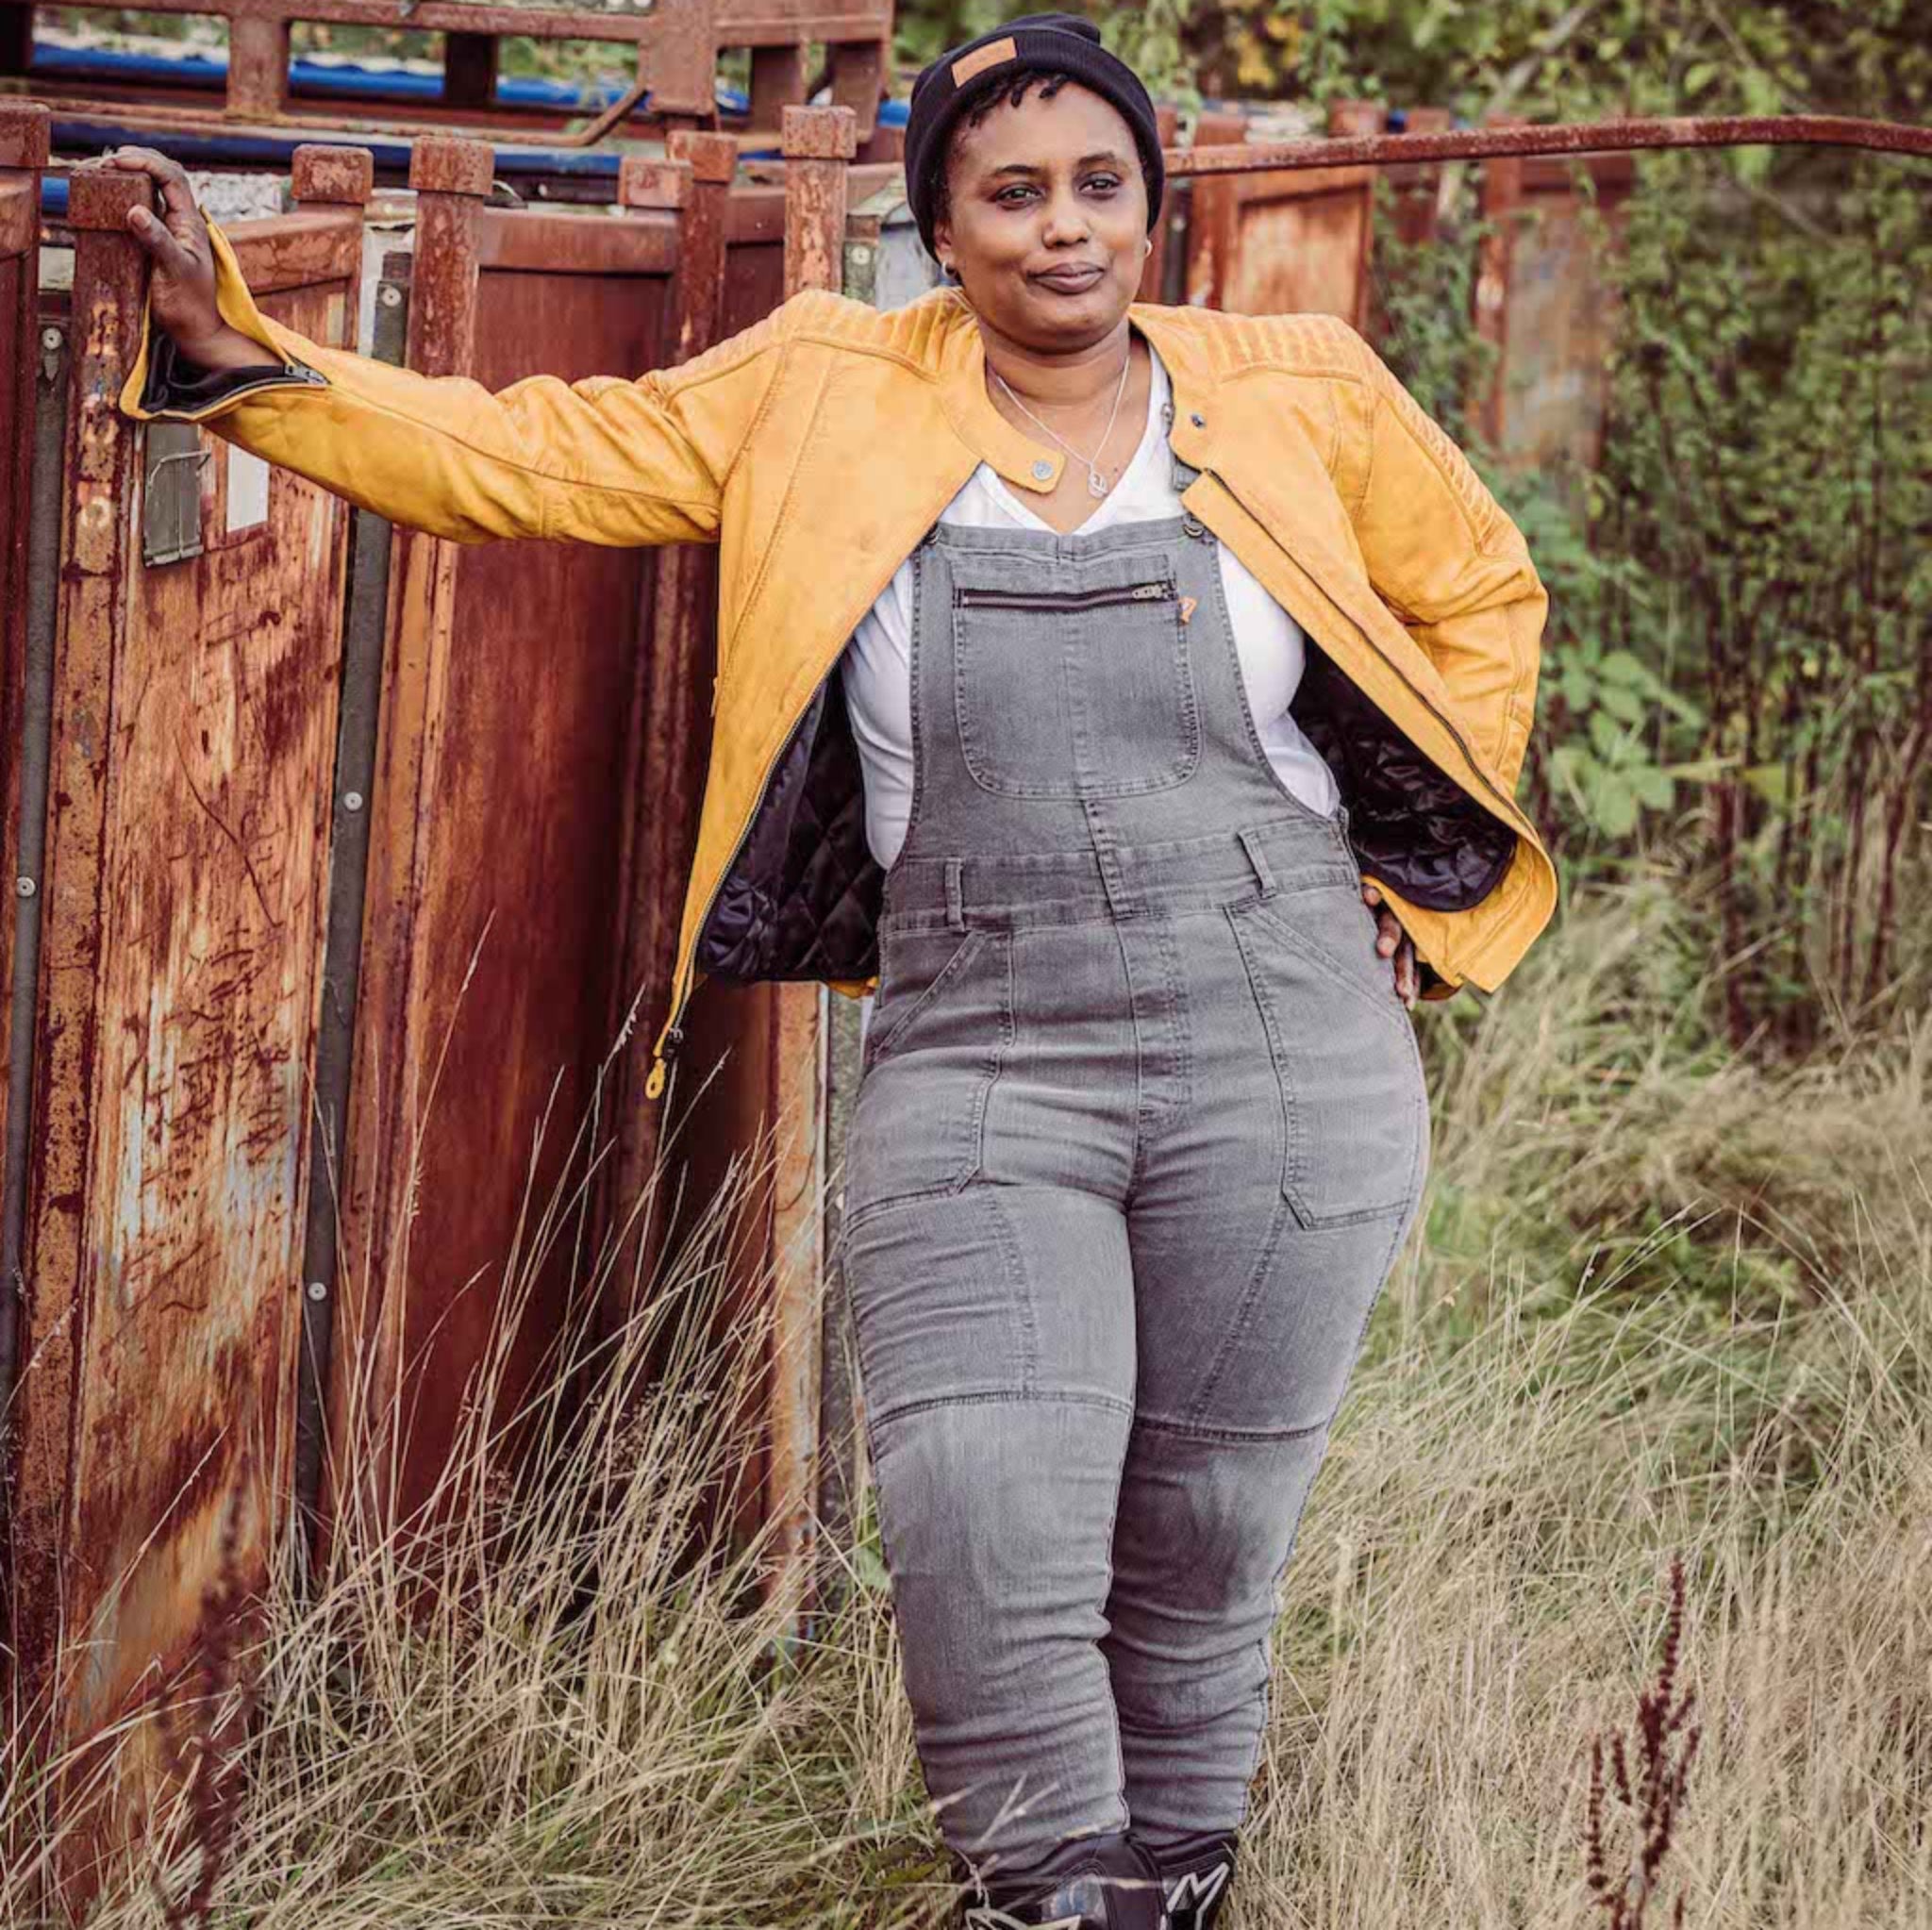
(818, 446)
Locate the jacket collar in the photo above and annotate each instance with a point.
(1017, 457)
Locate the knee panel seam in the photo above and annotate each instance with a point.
(988, 1396)
(1233, 1436)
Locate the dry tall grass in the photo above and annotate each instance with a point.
(1663, 1304)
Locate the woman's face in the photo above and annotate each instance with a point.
(1047, 218)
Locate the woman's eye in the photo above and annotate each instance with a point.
(1013, 195)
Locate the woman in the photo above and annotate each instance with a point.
(1142, 1123)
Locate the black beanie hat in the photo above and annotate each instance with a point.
(1035, 43)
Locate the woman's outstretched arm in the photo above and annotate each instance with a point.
(606, 459)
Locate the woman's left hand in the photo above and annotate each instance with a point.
(1396, 944)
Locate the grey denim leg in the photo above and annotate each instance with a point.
(1140, 1130)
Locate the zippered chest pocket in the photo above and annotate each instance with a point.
(1075, 692)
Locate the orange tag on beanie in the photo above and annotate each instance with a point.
(976, 62)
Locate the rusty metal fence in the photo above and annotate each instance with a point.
(331, 815)
(308, 817)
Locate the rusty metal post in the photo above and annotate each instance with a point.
(681, 60)
(1346, 118)
(1411, 211)
(819, 146)
(1415, 212)
(257, 66)
(328, 176)
(16, 36)
(859, 79)
(1216, 212)
(1167, 121)
(1501, 204)
(778, 81)
(25, 541)
(322, 176)
(665, 743)
(452, 179)
(469, 69)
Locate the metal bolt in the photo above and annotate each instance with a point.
(318, 1289)
(25, 887)
(352, 800)
(50, 338)
(861, 253)
(390, 296)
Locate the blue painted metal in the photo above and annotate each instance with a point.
(202, 67)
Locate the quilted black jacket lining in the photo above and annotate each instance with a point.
(802, 898)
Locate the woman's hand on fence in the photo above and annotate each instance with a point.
(181, 290)
(1396, 944)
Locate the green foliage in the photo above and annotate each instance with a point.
(1766, 474)
(1550, 57)
(1739, 653)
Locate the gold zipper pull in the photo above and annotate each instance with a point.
(673, 1038)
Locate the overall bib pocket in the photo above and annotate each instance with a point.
(1110, 706)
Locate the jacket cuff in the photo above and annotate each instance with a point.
(173, 382)
(190, 392)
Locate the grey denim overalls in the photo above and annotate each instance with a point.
(1140, 1129)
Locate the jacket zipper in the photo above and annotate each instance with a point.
(1061, 599)
(299, 372)
(1448, 724)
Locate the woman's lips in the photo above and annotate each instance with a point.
(1070, 280)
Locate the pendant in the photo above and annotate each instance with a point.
(1096, 483)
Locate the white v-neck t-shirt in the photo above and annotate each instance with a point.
(876, 665)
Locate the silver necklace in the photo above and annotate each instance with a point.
(1097, 484)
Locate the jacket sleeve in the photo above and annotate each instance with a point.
(1453, 567)
(605, 460)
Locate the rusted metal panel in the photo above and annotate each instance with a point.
(193, 732)
(1278, 242)
(1547, 296)
(541, 241)
(487, 933)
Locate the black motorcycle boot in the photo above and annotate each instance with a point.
(1195, 1876)
(1115, 1886)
